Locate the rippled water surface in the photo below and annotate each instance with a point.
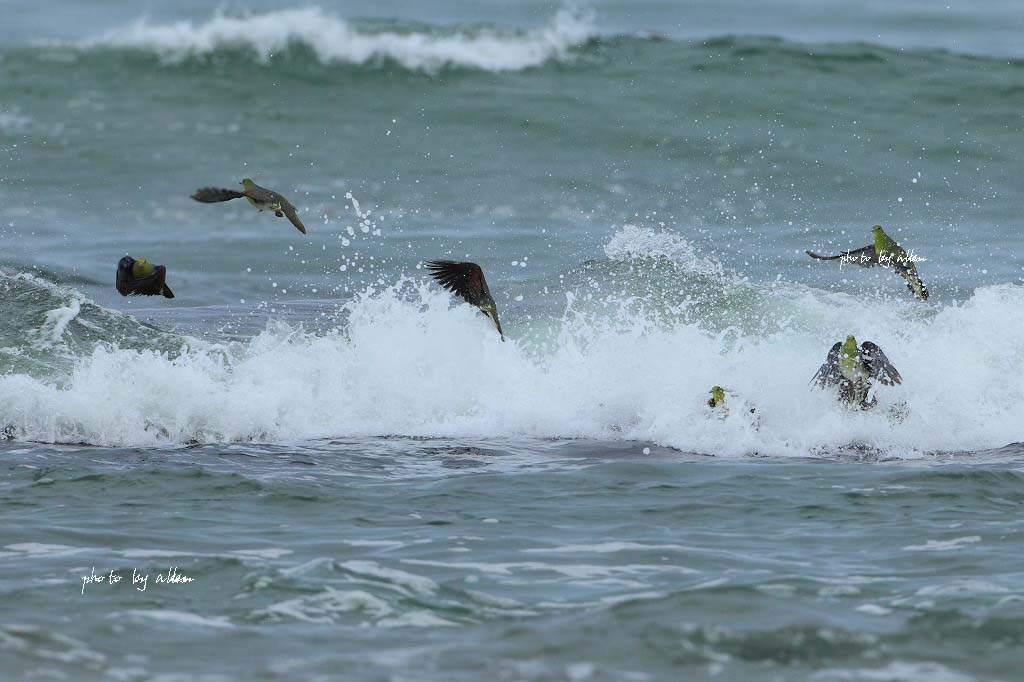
(441, 560)
(344, 474)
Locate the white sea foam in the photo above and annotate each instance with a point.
(601, 548)
(372, 570)
(333, 39)
(48, 645)
(943, 545)
(965, 586)
(417, 619)
(37, 549)
(325, 606)
(635, 241)
(57, 321)
(265, 553)
(373, 543)
(410, 363)
(897, 671)
(874, 609)
(170, 617)
(585, 572)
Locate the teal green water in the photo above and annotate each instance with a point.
(364, 482)
(434, 560)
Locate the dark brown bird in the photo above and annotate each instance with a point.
(262, 198)
(141, 278)
(466, 280)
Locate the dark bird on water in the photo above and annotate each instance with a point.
(262, 198)
(853, 369)
(884, 251)
(466, 280)
(139, 277)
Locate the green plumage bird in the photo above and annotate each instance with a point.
(719, 407)
(139, 277)
(466, 280)
(262, 198)
(853, 368)
(884, 251)
(717, 397)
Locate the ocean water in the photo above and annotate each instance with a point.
(347, 475)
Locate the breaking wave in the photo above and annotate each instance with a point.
(333, 39)
(407, 362)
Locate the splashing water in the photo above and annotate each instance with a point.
(407, 362)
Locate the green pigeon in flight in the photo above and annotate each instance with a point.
(853, 368)
(466, 280)
(262, 198)
(884, 251)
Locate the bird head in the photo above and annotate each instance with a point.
(850, 347)
(878, 231)
(142, 268)
(717, 395)
(488, 308)
(248, 183)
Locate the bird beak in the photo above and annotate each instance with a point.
(493, 315)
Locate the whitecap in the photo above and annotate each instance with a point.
(333, 39)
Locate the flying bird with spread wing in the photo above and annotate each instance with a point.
(466, 280)
(853, 368)
(262, 198)
(139, 277)
(884, 251)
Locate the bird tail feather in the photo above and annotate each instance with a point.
(918, 288)
(213, 195)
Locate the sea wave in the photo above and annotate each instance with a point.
(334, 39)
(408, 363)
(47, 325)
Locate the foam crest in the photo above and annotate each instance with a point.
(636, 241)
(334, 39)
(410, 363)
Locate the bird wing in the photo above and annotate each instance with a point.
(266, 196)
(908, 271)
(846, 393)
(878, 365)
(830, 373)
(213, 195)
(865, 257)
(465, 279)
(161, 270)
(289, 212)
